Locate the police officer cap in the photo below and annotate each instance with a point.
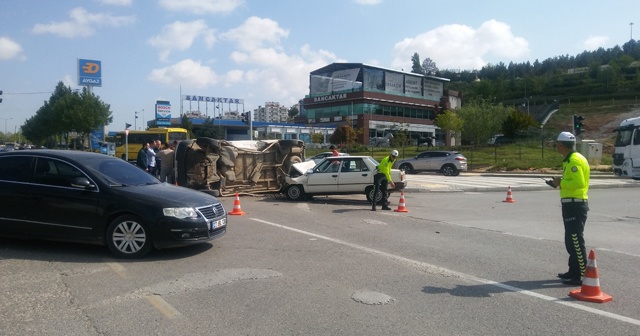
(566, 136)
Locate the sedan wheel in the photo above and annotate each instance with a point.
(407, 168)
(295, 192)
(128, 237)
(450, 170)
(369, 194)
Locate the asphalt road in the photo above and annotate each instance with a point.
(463, 263)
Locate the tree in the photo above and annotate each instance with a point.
(416, 67)
(293, 112)
(517, 121)
(317, 138)
(450, 122)
(482, 120)
(208, 130)
(186, 123)
(67, 110)
(429, 67)
(343, 134)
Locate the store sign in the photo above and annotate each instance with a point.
(329, 98)
(433, 90)
(213, 99)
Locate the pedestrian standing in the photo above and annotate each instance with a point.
(574, 186)
(166, 155)
(382, 179)
(141, 161)
(151, 159)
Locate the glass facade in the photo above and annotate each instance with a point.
(374, 109)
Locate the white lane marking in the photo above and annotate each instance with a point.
(447, 272)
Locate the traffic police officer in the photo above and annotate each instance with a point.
(574, 186)
(381, 179)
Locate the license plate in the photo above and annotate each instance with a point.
(217, 224)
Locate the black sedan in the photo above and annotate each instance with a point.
(90, 197)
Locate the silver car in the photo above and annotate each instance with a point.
(449, 163)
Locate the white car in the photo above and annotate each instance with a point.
(318, 157)
(337, 175)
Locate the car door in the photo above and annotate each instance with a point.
(354, 176)
(439, 159)
(14, 178)
(423, 161)
(59, 208)
(324, 178)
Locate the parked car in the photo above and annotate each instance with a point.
(499, 139)
(90, 197)
(449, 163)
(337, 175)
(318, 157)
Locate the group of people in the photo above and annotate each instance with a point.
(157, 160)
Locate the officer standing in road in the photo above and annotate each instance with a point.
(574, 186)
(383, 178)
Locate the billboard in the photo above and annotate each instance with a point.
(163, 113)
(433, 90)
(89, 72)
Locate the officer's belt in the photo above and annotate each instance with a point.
(573, 200)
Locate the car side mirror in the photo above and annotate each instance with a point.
(310, 171)
(82, 183)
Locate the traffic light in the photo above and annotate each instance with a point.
(246, 117)
(578, 126)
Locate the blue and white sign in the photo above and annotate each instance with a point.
(163, 113)
(89, 72)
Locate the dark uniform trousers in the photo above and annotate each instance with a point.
(574, 216)
(380, 183)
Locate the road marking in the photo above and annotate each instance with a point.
(118, 269)
(163, 306)
(429, 268)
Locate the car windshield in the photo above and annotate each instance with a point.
(121, 173)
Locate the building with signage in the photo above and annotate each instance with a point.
(376, 100)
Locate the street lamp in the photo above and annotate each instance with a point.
(135, 121)
(5, 128)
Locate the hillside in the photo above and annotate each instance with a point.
(600, 119)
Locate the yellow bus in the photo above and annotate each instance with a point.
(137, 138)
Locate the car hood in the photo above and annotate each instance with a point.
(302, 167)
(168, 195)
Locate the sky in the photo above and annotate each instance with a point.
(263, 50)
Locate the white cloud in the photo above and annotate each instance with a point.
(275, 74)
(10, 49)
(256, 33)
(368, 2)
(118, 2)
(81, 24)
(595, 42)
(461, 47)
(187, 73)
(201, 6)
(181, 35)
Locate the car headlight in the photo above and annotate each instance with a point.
(180, 212)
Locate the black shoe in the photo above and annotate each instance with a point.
(572, 282)
(564, 276)
(386, 208)
(373, 209)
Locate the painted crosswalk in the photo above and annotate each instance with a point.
(498, 182)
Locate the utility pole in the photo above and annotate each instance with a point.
(631, 33)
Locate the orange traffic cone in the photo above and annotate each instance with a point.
(509, 196)
(590, 290)
(236, 207)
(401, 207)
